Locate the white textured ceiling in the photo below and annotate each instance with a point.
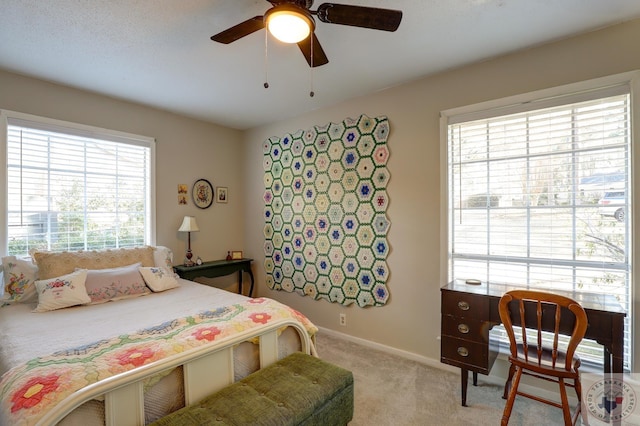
(158, 52)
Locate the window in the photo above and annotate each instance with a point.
(74, 187)
(539, 195)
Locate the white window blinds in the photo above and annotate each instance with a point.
(540, 197)
(76, 188)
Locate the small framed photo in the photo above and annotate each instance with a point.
(223, 194)
(182, 194)
(236, 255)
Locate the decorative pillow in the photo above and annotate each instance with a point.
(163, 256)
(104, 285)
(62, 292)
(159, 279)
(19, 280)
(54, 264)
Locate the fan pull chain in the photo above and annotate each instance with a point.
(266, 60)
(311, 93)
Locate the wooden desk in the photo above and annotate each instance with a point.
(218, 268)
(470, 311)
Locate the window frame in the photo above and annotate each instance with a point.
(75, 129)
(537, 100)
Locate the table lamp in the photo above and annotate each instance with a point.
(189, 225)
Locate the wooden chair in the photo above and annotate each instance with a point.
(538, 310)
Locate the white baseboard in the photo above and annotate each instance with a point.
(389, 349)
(493, 379)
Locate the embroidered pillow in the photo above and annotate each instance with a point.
(104, 285)
(62, 292)
(19, 280)
(55, 264)
(162, 256)
(159, 278)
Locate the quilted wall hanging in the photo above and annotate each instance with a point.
(325, 212)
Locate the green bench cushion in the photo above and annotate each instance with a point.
(297, 390)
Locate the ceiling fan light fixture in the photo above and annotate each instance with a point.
(289, 24)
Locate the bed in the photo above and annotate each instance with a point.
(134, 358)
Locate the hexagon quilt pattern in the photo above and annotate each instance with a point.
(325, 211)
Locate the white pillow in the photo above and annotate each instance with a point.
(62, 292)
(159, 278)
(19, 280)
(163, 256)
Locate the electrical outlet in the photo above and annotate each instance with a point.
(343, 320)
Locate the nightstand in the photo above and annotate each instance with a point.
(218, 268)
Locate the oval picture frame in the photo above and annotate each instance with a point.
(202, 193)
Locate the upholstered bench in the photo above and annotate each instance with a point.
(297, 390)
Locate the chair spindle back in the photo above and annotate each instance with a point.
(552, 302)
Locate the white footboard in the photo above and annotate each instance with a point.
(207, 369)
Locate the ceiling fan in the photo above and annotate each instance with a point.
(292, 21)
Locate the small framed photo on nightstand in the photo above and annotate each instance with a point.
(236, 255)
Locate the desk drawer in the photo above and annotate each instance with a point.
(465, 305)
(465, 354)
(465, 328)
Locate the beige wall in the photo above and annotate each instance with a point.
(411, 319)
(185, 151)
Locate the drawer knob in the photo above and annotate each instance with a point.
(463, 328)
(462, 351)
(463, 305)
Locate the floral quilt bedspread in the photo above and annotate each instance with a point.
(29, 390)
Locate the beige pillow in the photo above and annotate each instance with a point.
(159, 278)
(55, 264)
(62, 292)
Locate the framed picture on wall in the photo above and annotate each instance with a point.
(182, 194)
(223, 194)
(202, 193)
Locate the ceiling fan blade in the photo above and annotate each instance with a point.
(319, 57)
(238, 31)
(360, 16)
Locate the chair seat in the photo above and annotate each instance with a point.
(546, 361)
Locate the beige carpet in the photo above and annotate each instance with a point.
(392, 390)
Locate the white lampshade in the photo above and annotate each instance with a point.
(189, 224)
(289, 24)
